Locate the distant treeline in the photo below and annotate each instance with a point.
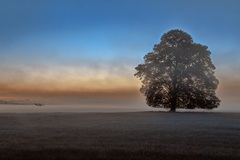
(19, 102)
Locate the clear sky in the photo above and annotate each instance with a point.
(85, 51)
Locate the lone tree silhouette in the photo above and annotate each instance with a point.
(178, 73)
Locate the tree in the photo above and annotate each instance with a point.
(178, 73)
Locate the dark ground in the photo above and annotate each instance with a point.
(110, 136)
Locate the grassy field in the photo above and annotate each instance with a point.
(110, 136)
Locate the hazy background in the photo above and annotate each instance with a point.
(84, 52)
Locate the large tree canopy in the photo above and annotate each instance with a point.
(178, 73)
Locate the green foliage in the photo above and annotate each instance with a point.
(178, 73)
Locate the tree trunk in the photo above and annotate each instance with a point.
(173, 109)
(173, 104)
(174, 91)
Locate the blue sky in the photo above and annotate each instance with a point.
(92, 46)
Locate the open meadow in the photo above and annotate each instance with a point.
(119, 136)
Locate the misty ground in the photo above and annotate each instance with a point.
(140, 135)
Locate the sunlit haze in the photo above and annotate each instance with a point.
(85, 51)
